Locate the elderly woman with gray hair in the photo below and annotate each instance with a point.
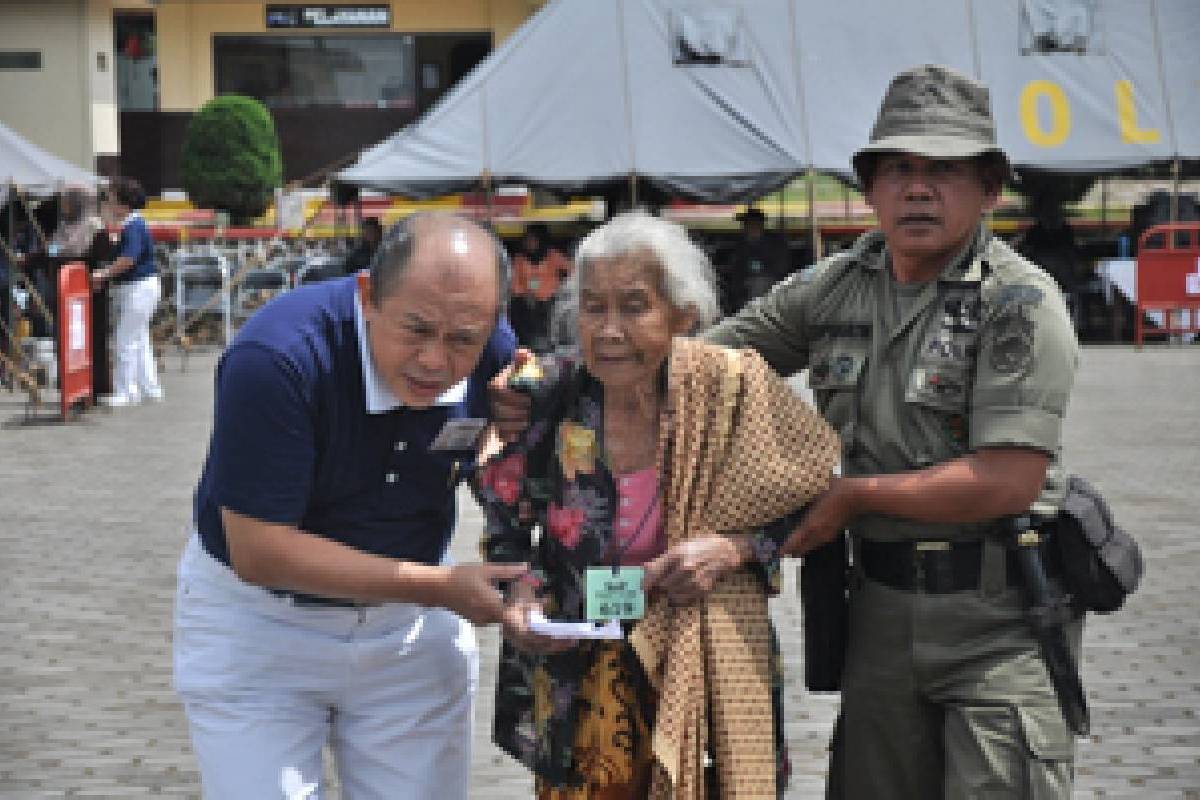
(654, 480)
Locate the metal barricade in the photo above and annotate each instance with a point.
(256, 288)
(1168, 279)
(291, 266)
(321, 268)
(202, 288)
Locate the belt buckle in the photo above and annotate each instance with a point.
(924, 578)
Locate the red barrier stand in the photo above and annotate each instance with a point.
(1168, 278)
(74, 336)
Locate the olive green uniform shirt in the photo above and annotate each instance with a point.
(916, 375)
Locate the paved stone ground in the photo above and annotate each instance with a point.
(92, 519)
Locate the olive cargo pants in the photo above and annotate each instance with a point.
(946, 695)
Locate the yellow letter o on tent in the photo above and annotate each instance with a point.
(1060, 114)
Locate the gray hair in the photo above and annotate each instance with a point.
(687, 275)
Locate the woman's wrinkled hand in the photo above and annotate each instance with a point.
(689, 570)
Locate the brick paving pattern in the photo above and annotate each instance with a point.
(93, 516)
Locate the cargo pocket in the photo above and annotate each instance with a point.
(1000, 752)
(1051, 750)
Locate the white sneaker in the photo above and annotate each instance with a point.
(118, 400)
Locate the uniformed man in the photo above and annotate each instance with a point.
(945, 360)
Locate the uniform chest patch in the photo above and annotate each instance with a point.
(961, 313)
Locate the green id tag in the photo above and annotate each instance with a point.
(615, 595)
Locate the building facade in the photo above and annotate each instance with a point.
(112, 84)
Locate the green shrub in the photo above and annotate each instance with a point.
(231, 157)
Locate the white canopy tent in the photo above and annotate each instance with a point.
(729, 99)
(33, 170)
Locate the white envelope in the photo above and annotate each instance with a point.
(574, 630)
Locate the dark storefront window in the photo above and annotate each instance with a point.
(355, 89)
(20, 59)
(319, 71)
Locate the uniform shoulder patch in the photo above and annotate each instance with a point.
(1013, 341)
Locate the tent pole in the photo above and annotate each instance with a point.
(1176, 171)
(488, 196)
(37, 227)
(813, 230)
(633, 198)
(1103, 204)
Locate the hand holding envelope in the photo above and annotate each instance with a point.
(538, 623)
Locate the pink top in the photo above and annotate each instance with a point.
(638, 531)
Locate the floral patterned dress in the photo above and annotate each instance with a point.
(580, 720)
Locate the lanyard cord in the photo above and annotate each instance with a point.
(617, 547)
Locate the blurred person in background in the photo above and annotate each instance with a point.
(80, 236)
(538, 272)
(370, 235)
(758, 261)
(136, 289)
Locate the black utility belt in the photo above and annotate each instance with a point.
(933, 567)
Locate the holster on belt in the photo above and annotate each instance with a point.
(824, 583)
(1049, 610)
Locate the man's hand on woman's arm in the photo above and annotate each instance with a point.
(985, 485)
(284, 557)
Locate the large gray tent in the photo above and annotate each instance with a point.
(32, 169)
(729, 99)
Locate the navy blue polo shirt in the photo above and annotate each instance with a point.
(306, 434)
(137, 245)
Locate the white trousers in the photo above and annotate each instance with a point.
(265, 684)
(134, 371)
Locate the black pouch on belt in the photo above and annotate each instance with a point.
(1101, 563)
(824, 583)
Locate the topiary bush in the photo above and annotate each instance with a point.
(231, 157)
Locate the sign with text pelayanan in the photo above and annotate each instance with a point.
(305, 16)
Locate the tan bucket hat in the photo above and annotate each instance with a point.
(932, 111)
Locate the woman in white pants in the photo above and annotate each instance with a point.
(135, 290)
